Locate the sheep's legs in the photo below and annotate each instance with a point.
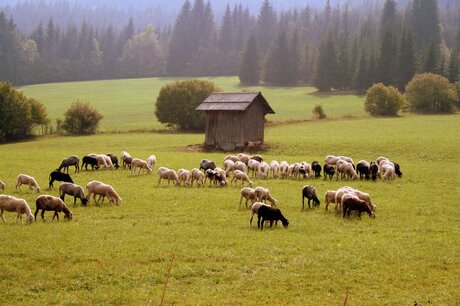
(43, 214)
(2, 215)
(55, 215)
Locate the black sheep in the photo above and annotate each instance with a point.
(397, 170)
(355, 204)
(89, 160)
(59, 176)
(271, 214)
(114, 160)
(316, 167)
(374, 169)
(363, 169)
(328, 170)
(309, 192)
(206, 164)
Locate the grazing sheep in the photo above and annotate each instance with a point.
(331, 160)
(26, 179)
(206, 164)
(244, 158)
(50, 203)
(229, 165)
(316, 168)
(60, 177)
(126, 159)
(353, 203)
(363, 196)
(13, 204)
(339, 194)
(70, 161)
(197, 176)
(348, 159)
(275, 168)
(114, 160)
(263, 194)
(309, 192)
(329, 197)
(89, 160)
(284, 168)
(262, 170)
(102, 190)
(240, 175)
(101, 161)
(363, 168)
(151, 161)
(255, 209)
(241, 166)
(248, 193)
(346, 170)
(233, 158)
(108, 161)
(397, 170)
(380, 159)
(220, 176)
(168, 174)
(141, 164)
(328, 170)
(184, 176)
(2, 185)
(73, 190)
(304, 169)
(293, 170)
(272, 214)
(254, 166)
(388, 171)
(257, 157)
(211, 175)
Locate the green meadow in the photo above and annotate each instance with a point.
(130, 104)
(121, 254)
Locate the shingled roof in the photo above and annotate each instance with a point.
(232, 102)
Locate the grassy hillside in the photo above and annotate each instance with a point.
(120, 255)
(130, 104)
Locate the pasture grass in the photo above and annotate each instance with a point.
(120, 254)
(129, 104)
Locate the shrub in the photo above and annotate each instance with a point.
(318, 112)
(18, 114)
(383, 100)
(81, 119)
(176, 103)
(457, 88)
(431, 93)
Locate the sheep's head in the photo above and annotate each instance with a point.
(68, 215)
(285, 223)
(84, 201)
(38, 189)
(30, 219)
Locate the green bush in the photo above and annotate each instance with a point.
(318, 112)
(176, 103)
(18, 114)
(81, 119)
(383, 100)
(431, 93)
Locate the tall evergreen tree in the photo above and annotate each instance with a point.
(277, 66)
(407, 63)
(431, 60)
(360, 81)
(388, 65)
(178, 53)
(266, 25)
(249, 68)
(326, 66)
(344, 77)
(426, 31)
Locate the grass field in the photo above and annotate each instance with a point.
(120, 255)
(130, 104)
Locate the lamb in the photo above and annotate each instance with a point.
(284, 168)
(316, 168)
(2, 185)
(328, 170)
(70, 161)
(141, 164)
(151, 161)
(272, 214)
(169, 174)
(363, 168)
(73, 190)
(60, 177)
(229, 165)
(263, 194)
(329, 197)
(240, 175)
(275, 168)
(102, 190)
(13, 204)
(248, 193)
(255, 209)
(26, 179)
(89, 160)
(185, 176)
(197, 176)
(50, 203)
(353, 203)
(262, 170)
(241, 166)
(309, 192)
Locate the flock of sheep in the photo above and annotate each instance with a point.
(243, 166)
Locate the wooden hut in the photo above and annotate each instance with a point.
(235, 120)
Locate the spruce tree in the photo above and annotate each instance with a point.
(431, 60)
(249, 68)
(407, 63)
(277, 65)
(326, 66)
(266, 25)
(178, 53)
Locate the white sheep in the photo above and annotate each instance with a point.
(197, 176)
(262, 170)
(141, 164)
(331, 160)
(100, 160)
(13, 204)
(185, 176)
(329, 197)
(151, 161)
(244, 158)
(229, 165)
(304, 169)
(263, 194)
(102, 190)
(293, 170)
(387, 170)
(346, 170)
(74, 190)
(338, 196)
(241, 166)
(168, 174)
(284, 168)
(108, 161)
(254, 166)
(275, 168)
(249, 194)
(126, 159)
(240, 175)
(346, 158)
(255, 210)
(30, 181)
(233, 158)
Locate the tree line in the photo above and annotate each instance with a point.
(334, 47)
